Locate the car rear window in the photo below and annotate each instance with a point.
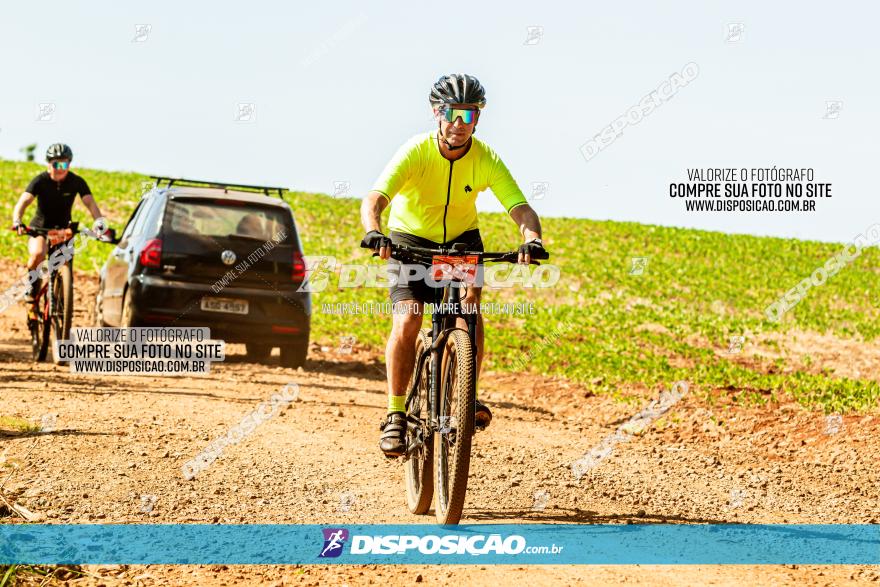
(213, 218)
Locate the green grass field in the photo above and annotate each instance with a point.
(13, 575)
(613, 329)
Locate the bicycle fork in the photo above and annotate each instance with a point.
(438, 343)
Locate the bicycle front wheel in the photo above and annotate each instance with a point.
(39, 326)
(452, 443)
(62, 315)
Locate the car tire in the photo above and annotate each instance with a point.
(294, 355)
(258, 352)
(99, 309)
(127, 319)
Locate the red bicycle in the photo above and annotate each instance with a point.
(51, 315)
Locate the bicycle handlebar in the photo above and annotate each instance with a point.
(73, 226)
(35, 231)
(414, 251)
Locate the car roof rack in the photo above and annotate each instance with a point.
(180, 181)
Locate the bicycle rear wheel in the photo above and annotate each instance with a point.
(452, 444)
(419, 470)
(62, 315)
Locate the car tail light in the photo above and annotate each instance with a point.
(151, 254)
(299, 267)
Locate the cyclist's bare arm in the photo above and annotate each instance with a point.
(23, 202)
(371, 216)
(89, 202)
(527, 220)
(371, 211)
(529, 226)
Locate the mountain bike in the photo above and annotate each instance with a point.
(440, 401)
(51, 314)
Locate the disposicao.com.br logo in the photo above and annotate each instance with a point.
(334, 540)
(431, 544)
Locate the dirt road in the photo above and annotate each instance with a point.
(120, 442)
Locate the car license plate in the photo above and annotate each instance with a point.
(227, 305)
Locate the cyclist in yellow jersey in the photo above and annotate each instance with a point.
(432, 183)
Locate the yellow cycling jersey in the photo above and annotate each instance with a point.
(435, 198)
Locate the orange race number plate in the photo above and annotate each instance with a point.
(454, 267)
(59, 235)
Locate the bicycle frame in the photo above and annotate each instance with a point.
(44, 291)
(439, 333)
(443, 322)
(48, 288)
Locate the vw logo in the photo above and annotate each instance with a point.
(228, 257)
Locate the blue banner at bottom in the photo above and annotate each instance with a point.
(428, 544)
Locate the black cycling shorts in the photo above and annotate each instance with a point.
(419, 290)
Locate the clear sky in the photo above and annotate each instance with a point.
(336, 87)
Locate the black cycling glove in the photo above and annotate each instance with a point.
(375, 240)
(533, 248)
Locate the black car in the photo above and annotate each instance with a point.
(223, 256)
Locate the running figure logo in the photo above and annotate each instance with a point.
(334, 539)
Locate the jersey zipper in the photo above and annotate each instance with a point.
(448, 192)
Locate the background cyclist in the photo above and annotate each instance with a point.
(55, 191)
(432, 183)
